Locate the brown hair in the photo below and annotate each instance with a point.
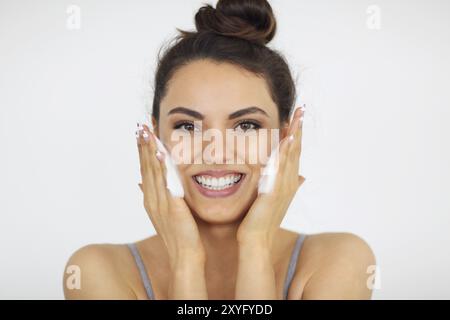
(235, 32)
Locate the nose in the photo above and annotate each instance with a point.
(227, 146)
(218, 146)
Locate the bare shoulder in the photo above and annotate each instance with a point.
(98, 271)
(337, 245)
(336, 266)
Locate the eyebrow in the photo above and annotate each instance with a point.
(234, 115)
(187, 111)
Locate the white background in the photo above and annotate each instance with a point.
(375, 152)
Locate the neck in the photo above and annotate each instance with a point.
(221, 246)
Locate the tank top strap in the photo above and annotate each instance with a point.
(142, 270)
(293, 263)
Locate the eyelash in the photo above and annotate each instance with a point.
(255, 124)
(180, 124)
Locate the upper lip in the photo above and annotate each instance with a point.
(217, 173)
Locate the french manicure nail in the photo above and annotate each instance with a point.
(145, 135)
(159, 155)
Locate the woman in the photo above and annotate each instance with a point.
(223, 240)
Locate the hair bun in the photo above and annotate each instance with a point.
(252, 20)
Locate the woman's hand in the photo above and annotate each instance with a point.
(173, 222)
(268, 210)
(170, 215)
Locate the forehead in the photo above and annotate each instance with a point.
(217, 89)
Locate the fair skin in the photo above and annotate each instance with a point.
(230, 247)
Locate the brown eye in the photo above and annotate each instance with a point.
(248, 125)
(185, 126)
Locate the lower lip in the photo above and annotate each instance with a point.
(218, 193)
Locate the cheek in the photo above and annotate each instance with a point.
(181, 148)
(184, 176)
(256, 150)
(249, 149)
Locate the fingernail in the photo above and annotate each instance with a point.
(138, 137)
(145, 135)
(159, 155)
(291, 138)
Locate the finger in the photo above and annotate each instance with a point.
(291, 165)
(144, 164)
(295, 148)
(172, 202)
(159, 173)
(139, 145)
(283, 151)
(291, 136)
(280, 162)
(152, 199)
(161, 157)
(284, 148)
(296, 126)
(147, 173)
(150, 148)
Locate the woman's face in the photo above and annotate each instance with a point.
(220, 176)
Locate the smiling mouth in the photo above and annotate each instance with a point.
(218, 184)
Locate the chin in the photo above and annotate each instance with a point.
(217, 213)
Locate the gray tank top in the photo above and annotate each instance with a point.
(289, 275)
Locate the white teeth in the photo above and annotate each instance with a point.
(213, 183)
